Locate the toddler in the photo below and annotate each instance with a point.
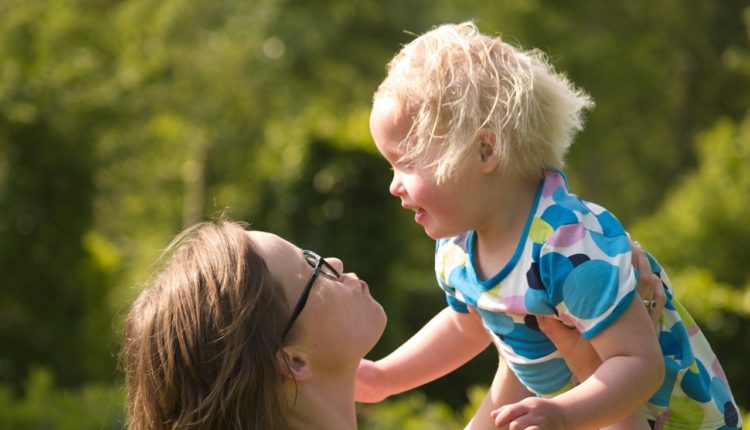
(476, 130)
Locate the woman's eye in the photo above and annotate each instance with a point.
(332, 275)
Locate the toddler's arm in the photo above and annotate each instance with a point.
(445, 343)
(631, 371)
(583, 361)
(578, 353)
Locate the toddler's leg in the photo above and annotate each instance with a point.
(505, 389)
(636, 421)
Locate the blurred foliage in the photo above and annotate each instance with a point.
(413, 411)
(121, 121)
(93, 406)
(703, 221)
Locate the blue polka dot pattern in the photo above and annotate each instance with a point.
(731, 415)
(557, 216)
(685, 353)
(470, 291)
(537, 302)
(498, 323)
(533, 278)
(582, 302)
(555, 269)
(457, 305)
(664, 394)
(720, 394)
(573, 263)
(610, 226)
(670, 344)
(612, 246)
(578, 259)
(548, 377)
(696, 383)
(528, 342)
(569, 201)
(531, 322)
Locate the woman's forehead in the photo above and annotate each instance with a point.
(281, 256)
(272, 248)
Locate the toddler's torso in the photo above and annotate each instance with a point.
(573, 262)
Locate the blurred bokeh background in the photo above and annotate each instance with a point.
(123, 121)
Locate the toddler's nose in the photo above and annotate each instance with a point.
(396, 188)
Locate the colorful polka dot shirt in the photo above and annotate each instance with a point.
(574, 262)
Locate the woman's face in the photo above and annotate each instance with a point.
(340, 321)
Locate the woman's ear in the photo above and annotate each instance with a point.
(487, 154)
(294, 364)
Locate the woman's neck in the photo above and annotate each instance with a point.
(325, 403)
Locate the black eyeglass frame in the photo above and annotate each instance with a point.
(320, 267)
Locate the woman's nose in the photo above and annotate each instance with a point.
(336, 263)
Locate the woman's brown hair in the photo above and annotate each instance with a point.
(200, 342)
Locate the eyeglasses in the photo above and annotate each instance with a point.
(320, 267)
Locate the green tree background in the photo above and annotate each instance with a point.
(123, 121)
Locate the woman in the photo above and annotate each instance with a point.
(212, 343)
(243, 330)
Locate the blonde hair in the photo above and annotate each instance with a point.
(199, 346)
(454, 81)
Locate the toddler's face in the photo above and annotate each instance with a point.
(437, 207)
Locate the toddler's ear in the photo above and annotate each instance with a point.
(487, 154)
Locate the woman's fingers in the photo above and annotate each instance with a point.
(650, 288)
(646, 286)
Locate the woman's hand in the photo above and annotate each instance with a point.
(650, 288)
